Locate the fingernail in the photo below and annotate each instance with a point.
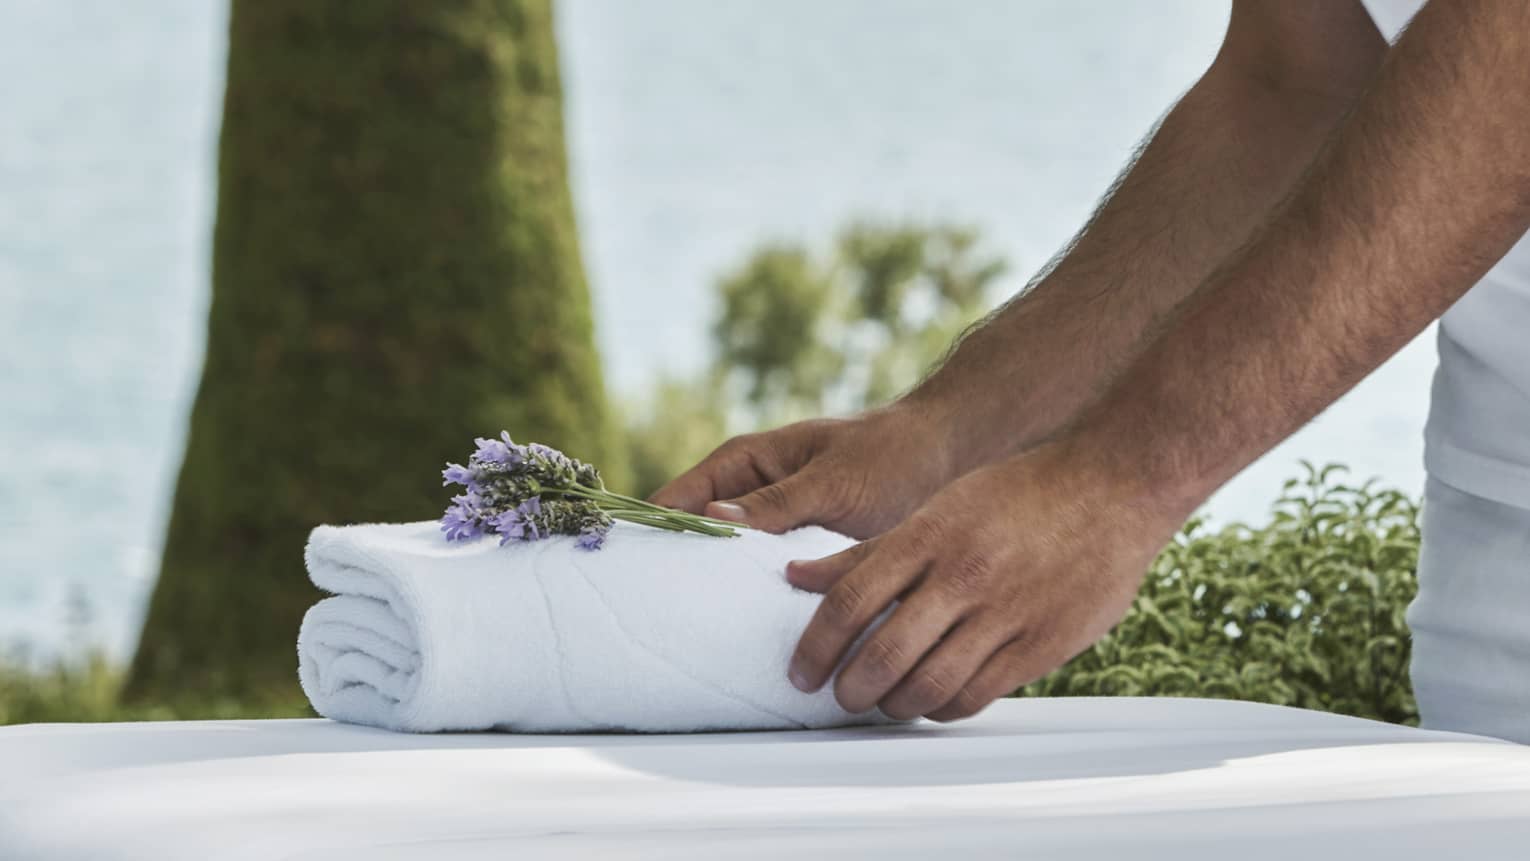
(798, 680)
(727, 511)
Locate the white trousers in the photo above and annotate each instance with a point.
(1471, 619)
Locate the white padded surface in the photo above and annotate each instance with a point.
(1067, 778)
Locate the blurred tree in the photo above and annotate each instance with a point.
(800, 335)
(395, 270)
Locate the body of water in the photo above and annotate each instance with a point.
(697, 129)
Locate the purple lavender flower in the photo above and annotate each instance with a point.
(502, 451)
(456, 473)
(592, 537)
(518, 523)
(460, 522)
(491, 451)
(510, 525)
(528, 511)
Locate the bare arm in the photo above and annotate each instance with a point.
(1421, 191)
(1220, 161)
(1016, 567)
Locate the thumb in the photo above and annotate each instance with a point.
(787, 504)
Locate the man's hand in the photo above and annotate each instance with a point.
(1013, 569)
(858, 476)
(998, 580)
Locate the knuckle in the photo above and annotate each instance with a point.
(927, 690)
(772, 497)
(1020, 667)
(882, 661)
(842, 606)
(836, 488)
(967, 703)
(785, 450)
(927, 533)
(780, 443)
(731, 448)
(810, 437)
(969, 576)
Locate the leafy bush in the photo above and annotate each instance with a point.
(87, 690)
(81, 691)
(1306, 611)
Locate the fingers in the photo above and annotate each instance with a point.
(892, 650)
(728, 471)
(878, 576)
(944, 672)
(819, 575)
(787, 504)
(1010, 668)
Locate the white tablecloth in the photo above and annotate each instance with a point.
(1078, 779)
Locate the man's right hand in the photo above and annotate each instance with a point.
(860, 476)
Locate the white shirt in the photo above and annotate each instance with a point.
(1478, 436)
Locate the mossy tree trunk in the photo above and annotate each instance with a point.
(395, 270)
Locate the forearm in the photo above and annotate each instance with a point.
(1418, 193)
(1217, 164)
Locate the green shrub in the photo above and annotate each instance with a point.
(87, 690)
(1306, 611)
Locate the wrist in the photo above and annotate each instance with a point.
(1127, 476)
(975, 429)
(930, 429)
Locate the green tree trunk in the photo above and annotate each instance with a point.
(395, 270)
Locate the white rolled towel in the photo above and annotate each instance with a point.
(654, 632)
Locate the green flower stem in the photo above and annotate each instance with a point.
(623, 507)
(600, 493)
(664, 523)
(604, 495)
(668, 517)
(646, 521)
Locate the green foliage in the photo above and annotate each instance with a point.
(800, 334)
(86, 690)
(82, 691)
(1306, 611)
(778, 313)
(395, 270)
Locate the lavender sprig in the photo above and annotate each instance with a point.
(526, 492)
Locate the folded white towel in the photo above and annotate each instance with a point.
(655, 632)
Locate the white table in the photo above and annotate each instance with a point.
(1117, 779)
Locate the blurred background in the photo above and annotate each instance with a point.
(742, 177)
